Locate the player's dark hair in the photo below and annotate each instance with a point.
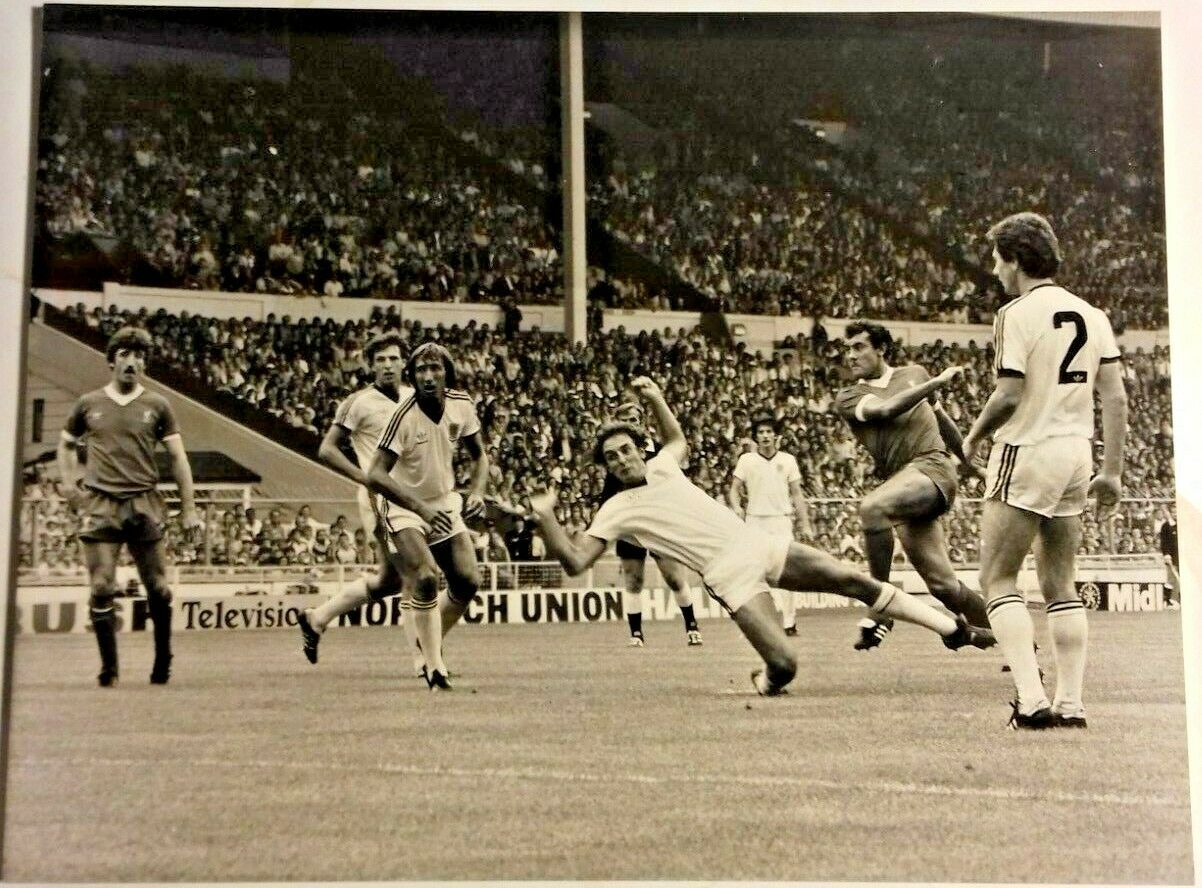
(1029, 239)
(764, 419)
(610, 429)
(131, 339)
(381, 342)
(447, 362)
(879, 336)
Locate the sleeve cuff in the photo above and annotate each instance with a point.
(1112, 359)
(1015, 374)
(67, 436)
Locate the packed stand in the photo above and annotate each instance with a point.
(250, 186)
(934, 147)
(540, 401)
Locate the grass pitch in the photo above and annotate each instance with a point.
(563, 754)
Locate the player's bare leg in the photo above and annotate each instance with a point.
(925, 546)
(812, 569)
(101, 561)
(632, 597)
(419, 577)
(1006, 536)
(760, 624)
(150, 560)
(355, 594)
(1055, 561)
(456, 557)
(676, 575)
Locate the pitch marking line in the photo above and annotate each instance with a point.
(890, 786)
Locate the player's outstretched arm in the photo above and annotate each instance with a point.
(330, 453)
(576, 559)
(876, 408)
(950, 433)
(1107, 485)
(671, 435)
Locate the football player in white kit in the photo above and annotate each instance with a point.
(1052, 350)
(765, 491)
(664, 512)
(360, 420)
(413, 474)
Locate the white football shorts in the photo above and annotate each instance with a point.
(1050, 478)
(397, 519)
(773, 525)
(743, 570)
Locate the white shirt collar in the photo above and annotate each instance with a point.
(111, 391)
(881, 381)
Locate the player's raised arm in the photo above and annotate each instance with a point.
(576, 559)
(671, 435)
(873, 408)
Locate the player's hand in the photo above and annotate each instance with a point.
(949, 374)
(543, 504)
(473, 505)
(440, 521)
(191, 524)
(645, 387)
(1106, 490)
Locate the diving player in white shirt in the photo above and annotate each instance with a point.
(1052, 350)
(664, 512)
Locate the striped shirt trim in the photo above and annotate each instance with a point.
(1000, 336)
(458, 395)
(386, 439)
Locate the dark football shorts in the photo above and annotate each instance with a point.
(940, 469)
(630, 551)
(129, 519)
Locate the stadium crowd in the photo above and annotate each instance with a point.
(540, 400)
(249, 186)
(932, 149)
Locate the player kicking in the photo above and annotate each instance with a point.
(413, 474)
(634, 559)
(765, 491)
(1051, 350)
(893, 413)
(117, 497)
(360, 420)
(661, 510)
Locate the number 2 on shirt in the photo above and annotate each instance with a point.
(1067, 376)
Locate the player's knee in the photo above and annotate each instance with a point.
(681, 593)
(425, 586)
(158, 590)
(462, 590)
(874, 513)
(100, 602)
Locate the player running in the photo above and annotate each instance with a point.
(117, 498)
(894, 414)
(412, 472)
(360, 421)
(1052, 349)
(661, 510)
